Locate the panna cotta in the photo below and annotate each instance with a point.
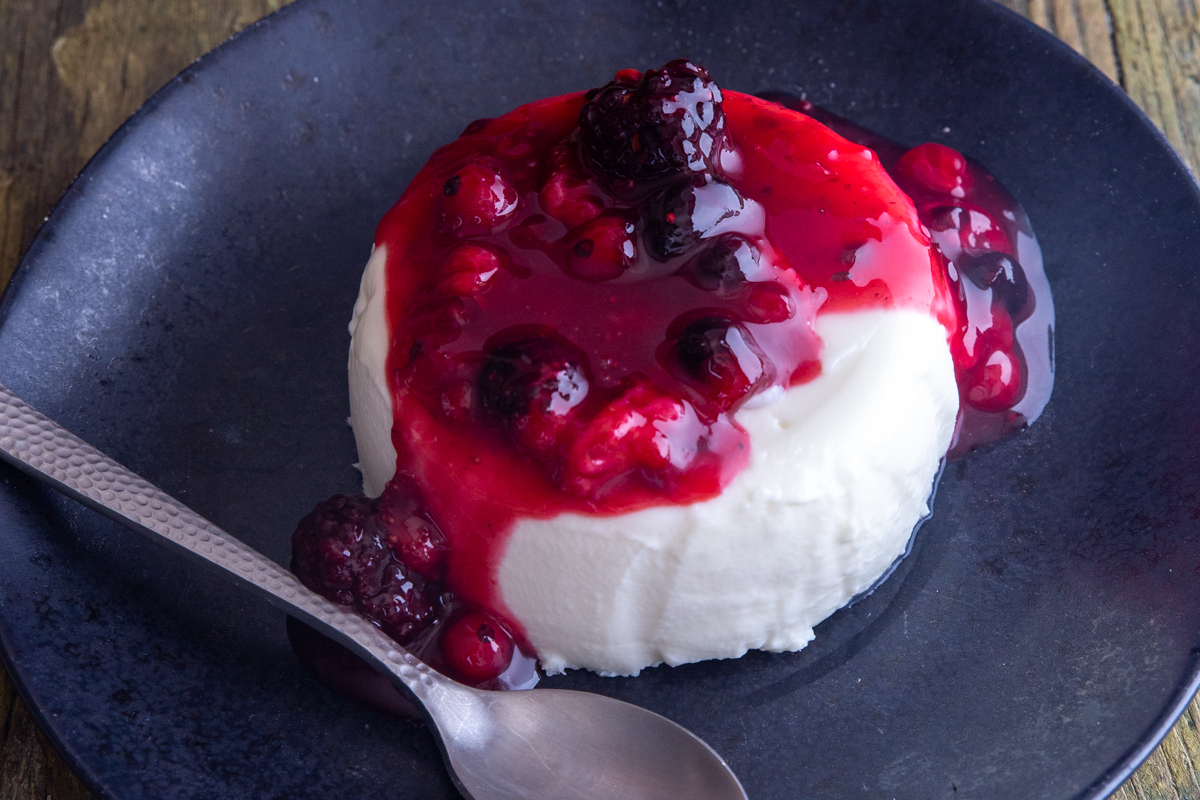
(660, 373)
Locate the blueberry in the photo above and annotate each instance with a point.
(681, 215)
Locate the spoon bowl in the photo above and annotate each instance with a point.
(541, 744)
(576, 745)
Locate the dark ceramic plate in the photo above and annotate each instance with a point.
(185, 309)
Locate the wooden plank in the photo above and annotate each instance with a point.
(1085, 25)
(30, 769)
(1189, 737)
(1153, 779)
(124, 50)
(33, 171)
(71, 71)
(1159, 41)
(1150, 47)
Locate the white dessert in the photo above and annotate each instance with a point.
(840, 473)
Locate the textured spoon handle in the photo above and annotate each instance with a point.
(37, 445)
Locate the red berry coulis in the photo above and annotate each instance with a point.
(1003, 345)
(583, 292)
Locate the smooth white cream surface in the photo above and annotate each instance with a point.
(840, 472)
(370, 399)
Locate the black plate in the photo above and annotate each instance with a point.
(185, 309)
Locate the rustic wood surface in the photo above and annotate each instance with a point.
(72, 70)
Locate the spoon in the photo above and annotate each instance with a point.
(542, 744)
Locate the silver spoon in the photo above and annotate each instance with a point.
(544, 744)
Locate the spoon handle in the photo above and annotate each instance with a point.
(42, 448)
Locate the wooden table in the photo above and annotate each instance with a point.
(72, 70)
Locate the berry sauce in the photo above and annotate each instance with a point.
(583, 292)
(1003, 347)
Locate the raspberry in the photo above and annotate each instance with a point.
(644, 127)
(631, 432)
(477, 200)
(568, 195)
(408, 530)
(534, 383)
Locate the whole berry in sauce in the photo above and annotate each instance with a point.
(967, 231)
(1003, 276)
(994, 383)
(408, 529)
(533, 383)
(768, 302)
(402, 607)
(457, 400)
(721, 359)
(477, 199)
(644, 127)
(602, 249)
(469, 270)
(987, 328)
(724, 266)
(476, 648)
(681, 215)
(936, 167)
(336, 549)
(632, 431)
(568, 195)
(339, 552)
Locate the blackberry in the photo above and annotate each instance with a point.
(534, 383)
(665, 122)
(337, 551)
(341, 552)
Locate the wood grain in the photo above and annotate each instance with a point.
(72, 70)
(1159, 43)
